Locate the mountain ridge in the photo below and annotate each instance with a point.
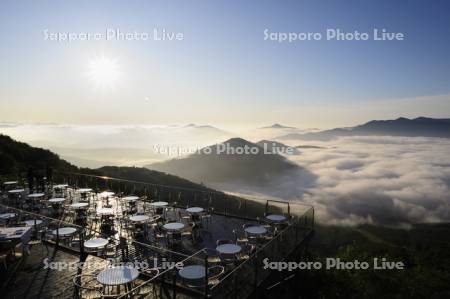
(402, 127)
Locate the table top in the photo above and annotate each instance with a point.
(105, 211)
(194, 210)
(64, 231)
(10, 183)
(14, 232)
(276, 218)
(84, 190)
(60, 186)
(173, 226)
(117, 276)
(139, 218)
(256, 230)
(130, 198)
(159, 203)
(229, 248)
(107, 194)
(16, 191)
(7, 215)
(96, 243)
(79, 205)
(57, 199)
(193, 272)
(31, 222)
(36, 195)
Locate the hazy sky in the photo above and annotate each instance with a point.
(223, 72)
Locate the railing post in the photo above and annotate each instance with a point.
(81, 244)
(174, 286)
(206, 275)
(256, 271)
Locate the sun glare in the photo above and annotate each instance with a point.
(104, 71)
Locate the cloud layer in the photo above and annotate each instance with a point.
(381, 180)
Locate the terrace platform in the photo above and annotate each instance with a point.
(141, 227)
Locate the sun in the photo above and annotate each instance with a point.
(104, 71)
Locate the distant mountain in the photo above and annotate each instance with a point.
(278, 126)
(418, 127)
(309, 146)
(213, 165)
(16, 157)
(278, 147)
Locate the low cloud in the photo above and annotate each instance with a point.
(380, 180)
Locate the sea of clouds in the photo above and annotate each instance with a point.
(379, 180)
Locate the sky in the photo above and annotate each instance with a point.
(223, 72)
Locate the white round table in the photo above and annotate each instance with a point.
(229, 248)
(64, 231)
(105, 211)
(159, 204)
(194, 210)
(276, 218)
(16, 191)
(117, 276)
(79, 205)
(130, 198)
(84, 190)
(60, 186)
(139, 218)
(36, 195)
(256, 230)
(96, 243)
(56, 200)
(10, 183)
(33, 222)
(193, 272)
(174, 226)
(7, 215)
(107, 194)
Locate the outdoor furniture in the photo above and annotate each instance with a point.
(79, 205)
(114, 278)
(212, 256)
(139, 218)
(64, 234)
(228, 252)
(256, 230)
(7, 218)
(36, 195)
(60, 190)
(174, 230)
(15, 195)
(195, 213)
(105, 211)
(193, 275)
(87, 286)
(174, 226)
(159, 206)
(33, 222)
(239, 237)
(95, 245)
(17, 235)
(228, 249)
(255, 233)
(275, 218)
(214, 274)
(130, 198)
(207, 217)
(6, 249)
(56, 204)
(84, 192)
